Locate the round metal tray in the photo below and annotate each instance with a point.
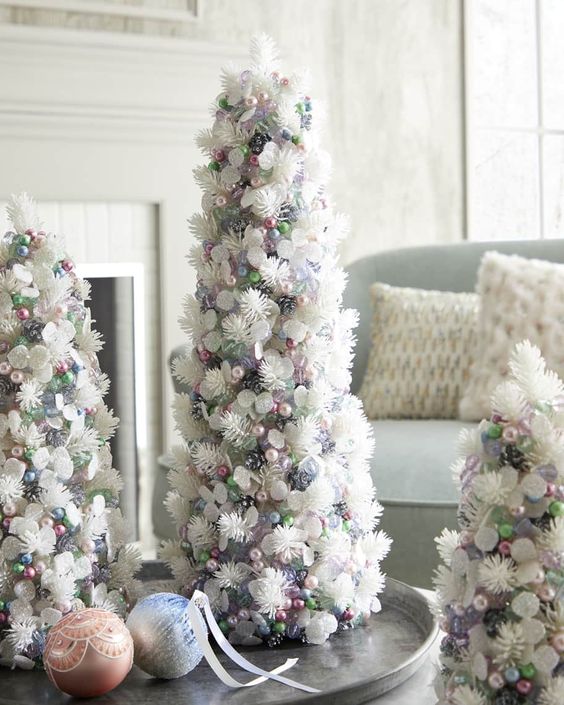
(353, 667)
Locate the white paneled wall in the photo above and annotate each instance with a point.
(114, 233)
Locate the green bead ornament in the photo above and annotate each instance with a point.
(300, 108)
(2, 605)
(505, 531)
(528, 671)
(223, 626)
(223, 103)
(254, 277)
(21, 340)
(214, 166)
(284, 227)
(17, 300)
(346, 525)
(296, 139)
(556, 509)
(28, 455)
(311, 604)
(24, 240)
(245, 150)
(494, 431)
(288, 520)
(18, 568)
(231, 481)
(204, 556)
(279, 627)
(67, 377)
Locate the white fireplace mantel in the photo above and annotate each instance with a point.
(90, 116)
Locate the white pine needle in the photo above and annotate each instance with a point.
(22, 212)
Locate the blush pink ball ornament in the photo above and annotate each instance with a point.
(88, 653)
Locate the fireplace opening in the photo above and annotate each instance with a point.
(116, 305)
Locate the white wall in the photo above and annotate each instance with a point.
(391, 75)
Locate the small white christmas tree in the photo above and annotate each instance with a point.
(272, 491)
(500, 587)
(61, 530)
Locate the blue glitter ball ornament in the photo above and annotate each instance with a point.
(164, 643)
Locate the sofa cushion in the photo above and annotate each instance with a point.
(422, 342)
(519, 299)
(411, 463)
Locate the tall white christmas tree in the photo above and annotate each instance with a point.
(501, 585)
(272, 491)
(62, 533)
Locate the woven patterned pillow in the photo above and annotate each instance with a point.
(420, 356)
(519, 298)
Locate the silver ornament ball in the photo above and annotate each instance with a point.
(164, 644)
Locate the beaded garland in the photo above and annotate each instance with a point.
(271, 491)
(62, 533)
(501, 586)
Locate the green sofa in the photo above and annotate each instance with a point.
(411, 464)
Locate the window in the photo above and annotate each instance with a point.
(515, 119)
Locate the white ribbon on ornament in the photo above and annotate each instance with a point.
(200, 599)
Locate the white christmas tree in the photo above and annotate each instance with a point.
(272, 491)
(500, 587)
(62, 533)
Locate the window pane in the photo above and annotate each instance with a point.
(504, 203)
(552, 17)
(502, 53)
(553, 161)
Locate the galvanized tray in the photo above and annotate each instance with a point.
(353, 667)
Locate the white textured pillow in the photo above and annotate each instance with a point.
(420, 356)
(519, 298)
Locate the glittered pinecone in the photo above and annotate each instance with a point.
(7, 386)
(32, 491)
(252, 381)
(290, 212)
(448, 646)
(236, 226)
(263, 288)
(493, 619)
(33, 330)
(300, 479)
(197, 410)
(301, 575)
(287, 305)
(511, 455)
(340, 508)
(327, 444)
(508, 697)
(274, 640)
(281, 421)
(69, 393)
(305, 121)
(65, 543)
(254, 460)
(56, 438)
(543, 523)
(246, 502)
(214, 363)
(258, 142)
